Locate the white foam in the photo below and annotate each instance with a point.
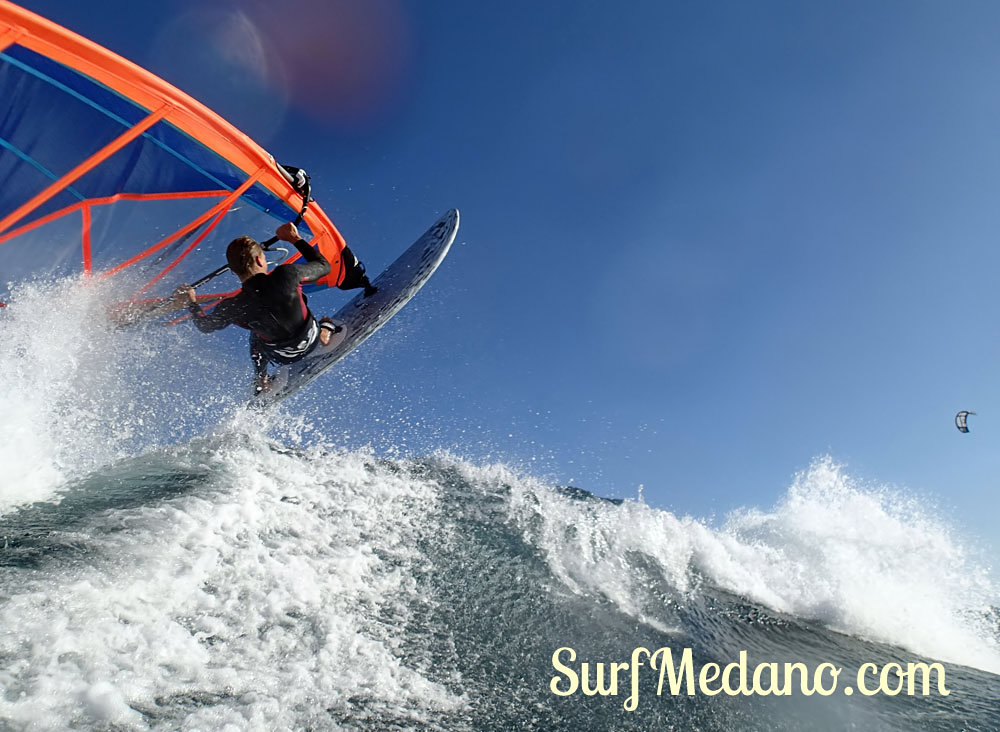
(282, 592)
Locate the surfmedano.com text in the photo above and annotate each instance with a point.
(738, 678)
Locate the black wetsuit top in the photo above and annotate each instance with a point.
(272, 306)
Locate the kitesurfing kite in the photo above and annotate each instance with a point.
(111, 172)
(960, 421)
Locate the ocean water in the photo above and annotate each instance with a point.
(252, 574)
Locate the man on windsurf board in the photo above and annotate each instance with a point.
(272, 306)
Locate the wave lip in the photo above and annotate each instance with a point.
(874, 563)
(869, 562)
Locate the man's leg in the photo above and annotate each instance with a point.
(354, 274)
(261, 380)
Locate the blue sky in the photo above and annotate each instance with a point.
(702, 244)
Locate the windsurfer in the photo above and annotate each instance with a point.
(272, 306)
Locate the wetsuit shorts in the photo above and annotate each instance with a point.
(264, 352)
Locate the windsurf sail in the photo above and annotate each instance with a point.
(960, 420)
(111, 172)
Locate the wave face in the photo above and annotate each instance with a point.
(257, 577)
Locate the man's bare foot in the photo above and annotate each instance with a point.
(326, 330)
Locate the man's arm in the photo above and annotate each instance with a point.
(316, 265)
(221, 316)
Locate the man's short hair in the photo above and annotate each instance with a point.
(241, 254)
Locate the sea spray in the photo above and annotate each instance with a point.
(78, 393)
